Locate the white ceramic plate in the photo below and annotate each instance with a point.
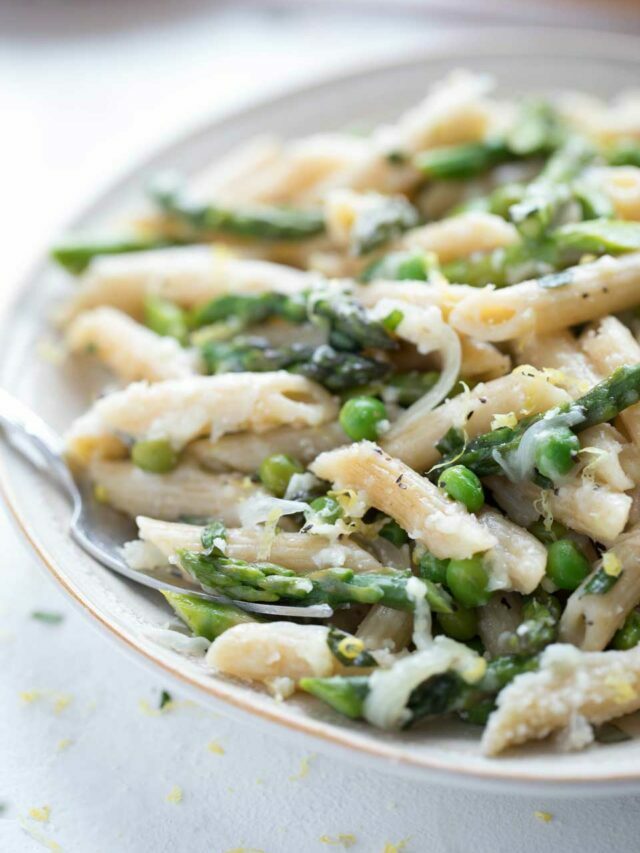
(522, 61)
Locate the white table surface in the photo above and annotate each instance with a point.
(85, 88)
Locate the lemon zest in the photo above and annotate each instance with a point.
(175, 795)
(41, 814)
(304, 769)
(509, 420)
(214, 747)
(611, 565)
(545, 817)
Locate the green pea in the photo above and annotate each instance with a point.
(432, 569)
(468, 581)
(275, 472)
(461, 625)
(555, 456)
(628, 635)
(326, 509)
(361, 417)
(155, 455)
(394, 533)
(545, 534)
(461, 484)
(567, 566)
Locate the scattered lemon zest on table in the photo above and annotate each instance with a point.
(29, 696)
(64, 743)
(244, 850)
(304, 768)
(545, 817)
(175, 795)
(344, 839)
(40, 813)
(61, 701)
(395, 848)
(49, 843)
(214, 747)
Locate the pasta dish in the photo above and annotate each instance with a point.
(397, 373)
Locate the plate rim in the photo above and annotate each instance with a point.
(579, 44)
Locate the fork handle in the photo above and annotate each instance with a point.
(35, 440)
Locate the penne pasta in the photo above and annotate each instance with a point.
(571, 686)
(517, 560)
(128, 349)
(414, 435)
(582, 294)
(443, 525)
(589, 621)
(244, 451)
(188, 276)
(300, 552)
(187, 490)
(584, 506)
(183, 410)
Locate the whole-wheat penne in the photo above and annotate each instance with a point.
(413, 436)
(273, 650)
(609, 345)
(570, 686)
(589, 621)
(188, 276)
(385, 628)
(300, 552)
(499, 618)
(584, 506)
(591, 291)
(517, 560)
(183, 410)
(420, 508)
(245, 451)
(187, 490)
(130, 350)
(462, 235)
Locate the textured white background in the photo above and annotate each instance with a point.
(85, 89)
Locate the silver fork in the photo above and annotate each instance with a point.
(91, 524)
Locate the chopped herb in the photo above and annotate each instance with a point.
(212, 535)
(165, 698)
(47, 616)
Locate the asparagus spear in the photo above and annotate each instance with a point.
(75, 255)
(535, 131)
(440, 694)
(492, 452)
(250, 309)
(165, 318)
(348, 324)
(539, 627)
(504, 266)
(599, 236)
(625, 153)
(545, 197)
(337, 586)
(337, 371)
(206, 618)
(407, 265)
(387, 219)
(264, 223)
